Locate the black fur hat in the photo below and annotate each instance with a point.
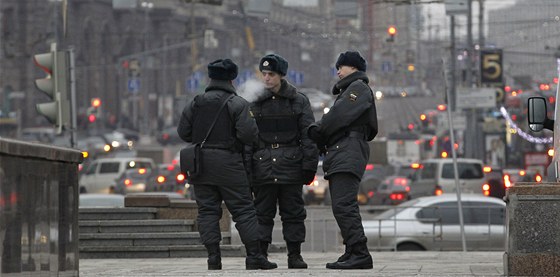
(274, 63)
(351, 58)
(224, 69)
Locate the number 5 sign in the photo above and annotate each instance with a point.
(491, 67)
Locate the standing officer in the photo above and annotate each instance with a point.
(342, 134)
(223, 174)
(285, 158)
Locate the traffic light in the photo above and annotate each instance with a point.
(391, 31)
(55, 86)
(93, 110)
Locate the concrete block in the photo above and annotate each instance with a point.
(533, 246)
(146, 200)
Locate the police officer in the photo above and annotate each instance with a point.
(285, 158)
(342, 134)
(223, 174)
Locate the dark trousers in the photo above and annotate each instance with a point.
(343, 188)
(292, 211)
(239, 202)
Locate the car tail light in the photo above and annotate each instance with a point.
(127, 182)
(170, 167)
(160, 179)
(407, 188)
(507, 181)
(165, 136)
(180, 177)
(415, 165)
(142, 171)
(174, 162)
(522, 172)
(400, 181)
(487, 169)
(538, 178)
(396, 196)
(369, 166)
(370, 194)
(438, 191)
(486, 189)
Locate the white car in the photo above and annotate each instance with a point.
(432, 223)
(100, 176)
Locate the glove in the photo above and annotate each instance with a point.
(308, 176)
(314, 135)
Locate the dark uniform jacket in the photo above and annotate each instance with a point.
(284, 149)
(346, 128)
(221, 165)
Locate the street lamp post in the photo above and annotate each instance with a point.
(144, 130)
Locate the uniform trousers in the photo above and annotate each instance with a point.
(344, 188)
(291, 208)
(239, 202)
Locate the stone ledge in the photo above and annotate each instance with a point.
(533, 189)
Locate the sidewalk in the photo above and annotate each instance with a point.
(384, 264)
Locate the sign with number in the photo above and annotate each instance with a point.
(491, 72)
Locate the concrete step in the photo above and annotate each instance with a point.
(116, 213)
(173, 251)
(145, 239)
(135, 226)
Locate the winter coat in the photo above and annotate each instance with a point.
(283, 163)
(353, 113)
(222, 166)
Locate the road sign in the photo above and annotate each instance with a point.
(459, 121)
(386, 67)
(476, 98)
(134, 85)
(192, 84)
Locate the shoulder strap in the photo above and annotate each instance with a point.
(215, 119)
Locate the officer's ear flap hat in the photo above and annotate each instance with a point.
(224, 69)
(351, 58)
(274, 63)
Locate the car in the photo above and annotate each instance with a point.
(393, 190)
(169, 136)
(100, 175)
(512, 176)
(437, 176)
(134, 180)
(168, 178)
(432, 223)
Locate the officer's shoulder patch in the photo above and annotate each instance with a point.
(251, 113)
(353, 96)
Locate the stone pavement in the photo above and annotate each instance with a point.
(384, 264)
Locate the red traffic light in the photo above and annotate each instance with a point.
(555, 80)
(91, 118)
(392, 30)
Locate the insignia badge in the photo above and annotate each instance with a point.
(265, 63)
(251, 113)
(353, 97)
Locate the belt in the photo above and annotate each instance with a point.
(276, 145)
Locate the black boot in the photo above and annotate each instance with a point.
(255, 260)
(359, 259)
(344, 257)
(214, 256)
(295, 260)
(264, 248)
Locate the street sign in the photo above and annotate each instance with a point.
(476, 98)
(459, 121)
(453, 7)
(134, 85)
(386, 67)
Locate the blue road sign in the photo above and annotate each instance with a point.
(192, 84)
(134, 85)
(386, 67)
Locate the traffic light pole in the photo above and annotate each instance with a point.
(73, 115)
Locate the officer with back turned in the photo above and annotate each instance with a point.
(285, 158)
(223, 175)
(343, 134)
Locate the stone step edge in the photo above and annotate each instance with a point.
(136, 222)
(117, 210)
(159, 235)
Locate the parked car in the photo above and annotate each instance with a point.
(101, 174)
(135, 180)
(432, 223)
(437, 176)
(393, 190)
(494, 186)
(168, 178)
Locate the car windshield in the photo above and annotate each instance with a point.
(396, 210)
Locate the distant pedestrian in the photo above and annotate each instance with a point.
(284, 160)
(342, 135)
(223, 175)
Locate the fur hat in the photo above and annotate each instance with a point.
(274, 63)
(351, 58)
(224, 69)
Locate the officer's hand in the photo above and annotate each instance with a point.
(314, 134)
(308, 176)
